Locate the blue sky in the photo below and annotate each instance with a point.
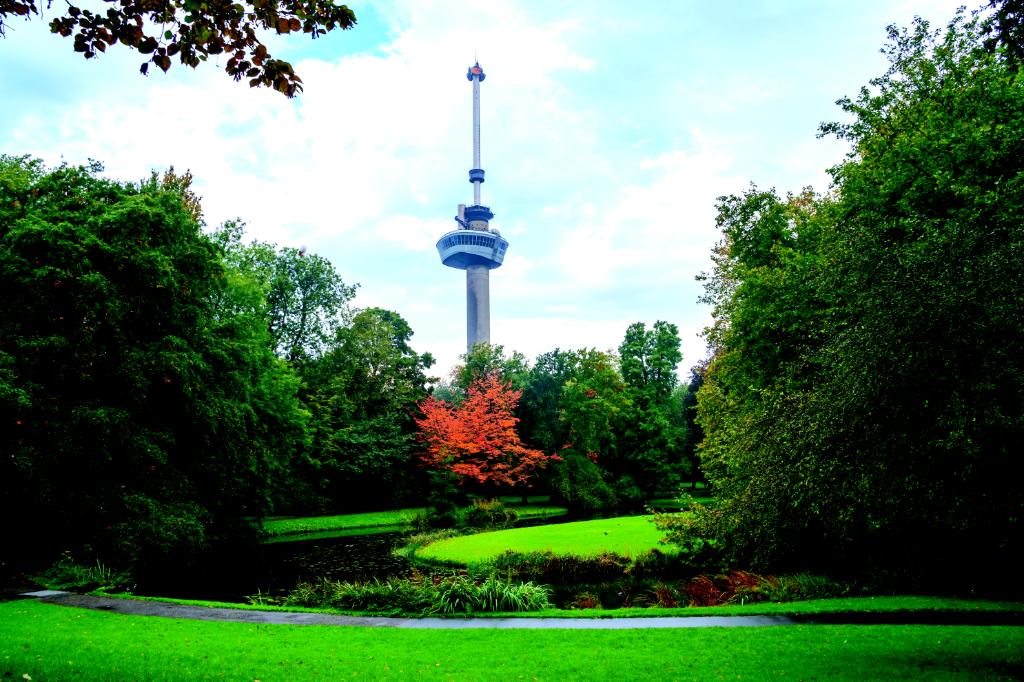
(608, 131)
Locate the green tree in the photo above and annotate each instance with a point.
(192, 32)
(303, 298)
(541, 421)
(863, 405)
(485, 359)
(363, 395)
(593, 404)
(649, 443)
(137, 422)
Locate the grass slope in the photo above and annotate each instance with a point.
(395, 518)
(47, 642)
(339, 522)
(626, 535)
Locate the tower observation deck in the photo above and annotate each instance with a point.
(473, 245)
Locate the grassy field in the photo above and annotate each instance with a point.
(47, 642)
(340, 522)
(627, 535)
(393, 519)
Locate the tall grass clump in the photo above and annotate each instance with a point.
(423, 596)
(422, 539)
(68, 574)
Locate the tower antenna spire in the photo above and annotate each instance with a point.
(474, 246)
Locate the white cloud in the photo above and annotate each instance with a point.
(606, 139)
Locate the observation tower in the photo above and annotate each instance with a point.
(473, 246)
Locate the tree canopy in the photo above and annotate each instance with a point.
(191, 32)
(476, 439)
(863, 406)
(137, 422)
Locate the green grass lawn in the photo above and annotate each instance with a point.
(393, 519)
(340, 522)
(626, 535)
(46, 642)
(537, 511)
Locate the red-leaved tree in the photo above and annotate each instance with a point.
(477, 440)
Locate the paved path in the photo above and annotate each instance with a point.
(138, 607)
(168, 610)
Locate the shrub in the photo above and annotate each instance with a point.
(743, 587)
(664, 597)
(68, 574)
(656, 564)
(422, 539)
(578, 482)
(488, 514)
(564, 570)
(696, 531)
(585, 600)
(799, 586)
(439, 594)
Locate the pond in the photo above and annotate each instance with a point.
(274, 569)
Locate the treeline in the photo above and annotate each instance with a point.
(864, 409)
(620, 423)
(163, 389)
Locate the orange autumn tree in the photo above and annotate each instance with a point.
(477, 440)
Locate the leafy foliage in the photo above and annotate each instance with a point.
(424, 595)
(362, 395)
(489, 514)
(136, 420)
(864, 404)
(651, 435)
(484, 360)
(192, 31)
(302, 297)
(477, 440)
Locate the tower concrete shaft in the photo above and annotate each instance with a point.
(474, 246)
(478, 305)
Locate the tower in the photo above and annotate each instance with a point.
(473, 246)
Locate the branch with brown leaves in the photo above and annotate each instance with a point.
(192, 30)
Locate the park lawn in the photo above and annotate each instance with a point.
(537, 511)
(340, 522)
(392, 519)
(40, 641)
(625, 535)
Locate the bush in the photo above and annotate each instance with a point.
(68, 574)
(546, 567)
(481, 515)
(488, 514)
(741, 587)
(562, 570)
(425, 596)
(422, 539)
(697, 531)
(160, 539)
(585, 600)
(578, 482)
